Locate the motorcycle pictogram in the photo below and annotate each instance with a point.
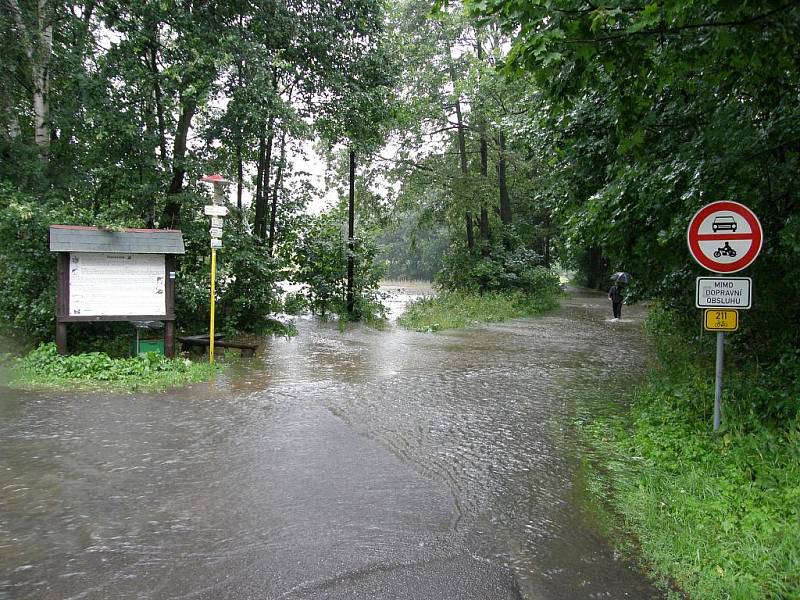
(726, 250)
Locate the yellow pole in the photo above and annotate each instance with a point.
(211, 329)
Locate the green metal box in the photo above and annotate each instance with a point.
(145, 346)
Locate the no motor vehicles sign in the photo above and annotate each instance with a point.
(724, 237)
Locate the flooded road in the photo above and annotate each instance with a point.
(364, 464)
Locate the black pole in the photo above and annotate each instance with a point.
(351, 217)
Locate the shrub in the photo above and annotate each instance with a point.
(27, 267)
(43, 366)
(500, 270)
(295, 303)
(768, 392)
(246, 290)
(449, 310)
(321, 258)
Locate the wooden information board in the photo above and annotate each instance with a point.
(116, 284)
(106, 275)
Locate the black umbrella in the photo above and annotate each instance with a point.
(621, 277)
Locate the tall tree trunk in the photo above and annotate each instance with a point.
(159, 101)
(351, 247)
(462, 156)
(41, 106)
(505, 200)
(262, 152)
(462, 141)
(273, 215)
(146, 107)
(239, 174)
(151, 59)
(484, 220)
(261, 208)
(470, 230)
(594, 267)
(261, 202)
(171, 217)
(484, 149)
(40, 69)
(38, 48)
(14, 129)
(239, 127)
(546, 253)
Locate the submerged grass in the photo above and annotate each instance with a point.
(717, 514)
(450, 310)
(44, 368)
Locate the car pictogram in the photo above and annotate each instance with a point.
(724, 222)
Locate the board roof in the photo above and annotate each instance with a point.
(74, 238)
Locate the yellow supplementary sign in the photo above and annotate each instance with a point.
(721, 320)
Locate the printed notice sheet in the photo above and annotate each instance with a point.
(102, 284)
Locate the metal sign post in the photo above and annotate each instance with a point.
(216, 211)
(213, 307)
(718, 378)
(720, 321)
(724, 237)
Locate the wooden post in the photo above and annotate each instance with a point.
(62, 300)
(213, 308)
(61, 337)
(169, 299)
(351, 247)
(169, 339)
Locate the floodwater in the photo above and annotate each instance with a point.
(363, 464)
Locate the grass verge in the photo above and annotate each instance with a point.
(450, 310)
(44, 368)
(717, 514)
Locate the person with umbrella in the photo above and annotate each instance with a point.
(616, 293)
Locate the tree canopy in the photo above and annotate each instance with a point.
(504, 134)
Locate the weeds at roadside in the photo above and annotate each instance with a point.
(716, 513)
(43, 367)
(450, 310)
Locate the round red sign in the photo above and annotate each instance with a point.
(724, 236)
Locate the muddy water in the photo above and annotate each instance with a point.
(362, 464)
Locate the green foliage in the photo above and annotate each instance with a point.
(640, 114)
(295, 303)
(768, 393)
(465, 155)
(322, 263)
(44, 367)
(774, 392)
(716, 513)
(450, 310)
(280, 328)
(412, 247)
(27, 268)
(113, 338)
(246, 290)
(227, 78)
(671, 331)
(502, 270)
(321, 258)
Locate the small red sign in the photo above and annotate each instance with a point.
(725, 236)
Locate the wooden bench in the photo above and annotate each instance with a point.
(190, 342)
